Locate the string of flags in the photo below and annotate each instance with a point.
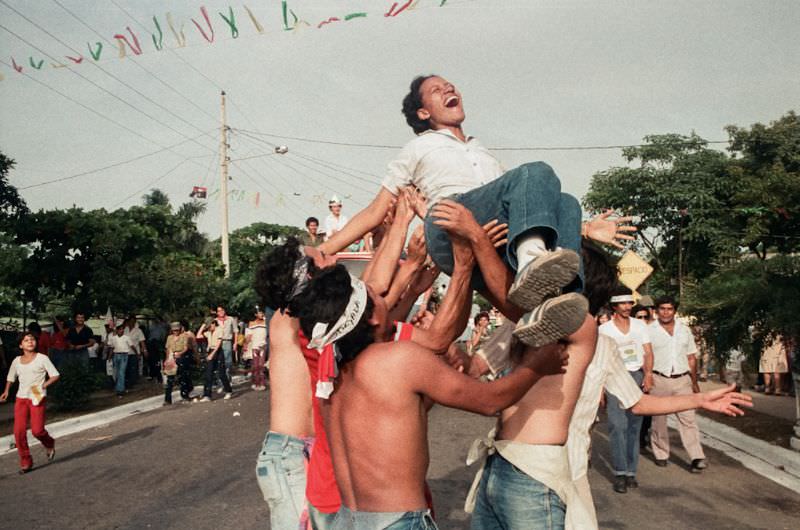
(129, 41)
(254, 197)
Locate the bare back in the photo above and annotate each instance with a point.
(377, 431)
(290, 387)
(542, 416)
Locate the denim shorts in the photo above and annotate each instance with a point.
(509, 499)
(350, 520)
(281, 475)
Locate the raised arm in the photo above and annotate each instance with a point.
(431, 377)
(415, 259)
(455, 218)
(724, 401)
(364, 221)
(452, 315)
(381, 269)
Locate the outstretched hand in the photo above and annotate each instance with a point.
(603, 229)
(725, 401)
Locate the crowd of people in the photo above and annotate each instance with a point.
(354, 368)
(375, 372)
(127, 352)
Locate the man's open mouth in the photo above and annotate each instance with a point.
(451, 102)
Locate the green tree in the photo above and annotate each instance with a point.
(247, 246)
(726, 226)
(12, 210)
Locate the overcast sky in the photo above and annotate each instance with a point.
(533, 73)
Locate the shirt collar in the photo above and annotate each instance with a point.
(447, 132)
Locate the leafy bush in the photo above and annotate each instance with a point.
(74, 387)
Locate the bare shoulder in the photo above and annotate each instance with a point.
(407, 353)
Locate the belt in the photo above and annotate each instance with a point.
(673, 376)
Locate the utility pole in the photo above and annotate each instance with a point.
(223, 196)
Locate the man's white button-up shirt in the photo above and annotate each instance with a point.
(671, 352)
(440, 165)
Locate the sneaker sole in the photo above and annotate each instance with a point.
(553, 320)
(543, 277)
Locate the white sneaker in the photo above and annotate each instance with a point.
(553, 320)
(205, 399)
(254, 387)
(543, 278)
(220, 390)
(228, 395)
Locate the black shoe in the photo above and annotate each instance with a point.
(620, 484)
(661, 463)
(631, 482)
(698, 465)
(24, 470)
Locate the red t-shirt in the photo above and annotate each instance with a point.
(59, 340)
(321, 489)
(43, 344)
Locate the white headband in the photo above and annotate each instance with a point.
(321, 336)
(622, 298)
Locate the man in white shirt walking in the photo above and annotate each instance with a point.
(675, 374)
(632, 340)
(120, 347)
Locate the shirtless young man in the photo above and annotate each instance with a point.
(553, 461)
(281, 277)
(445, 163)
(379, 401)
(280, 467)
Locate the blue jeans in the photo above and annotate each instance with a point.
(508, 499)
(216, 364)
(120, 366)
(227, 351)
(347, 519)
(321, 520)
(623, 433)
(527, 198)
(281, 475)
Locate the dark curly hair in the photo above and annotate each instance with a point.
(666, 299)
(274, 282)
(599, 274)
(324, 300)
(413, 102)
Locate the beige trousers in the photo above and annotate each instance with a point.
(687, 426)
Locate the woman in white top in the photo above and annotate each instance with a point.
(35, 373)
(256, 342)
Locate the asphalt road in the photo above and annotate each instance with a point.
(192, 466)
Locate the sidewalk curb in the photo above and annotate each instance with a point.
(770, 461)
(99, 419)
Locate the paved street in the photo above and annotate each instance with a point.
(191, 466)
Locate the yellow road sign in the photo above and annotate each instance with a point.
(633, 270)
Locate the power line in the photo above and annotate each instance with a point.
(335, 177)
(116, 164)
(93, 111)
(141, 66)
(151, 183)
(322, 184)
(102, 70)
(520, 148)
